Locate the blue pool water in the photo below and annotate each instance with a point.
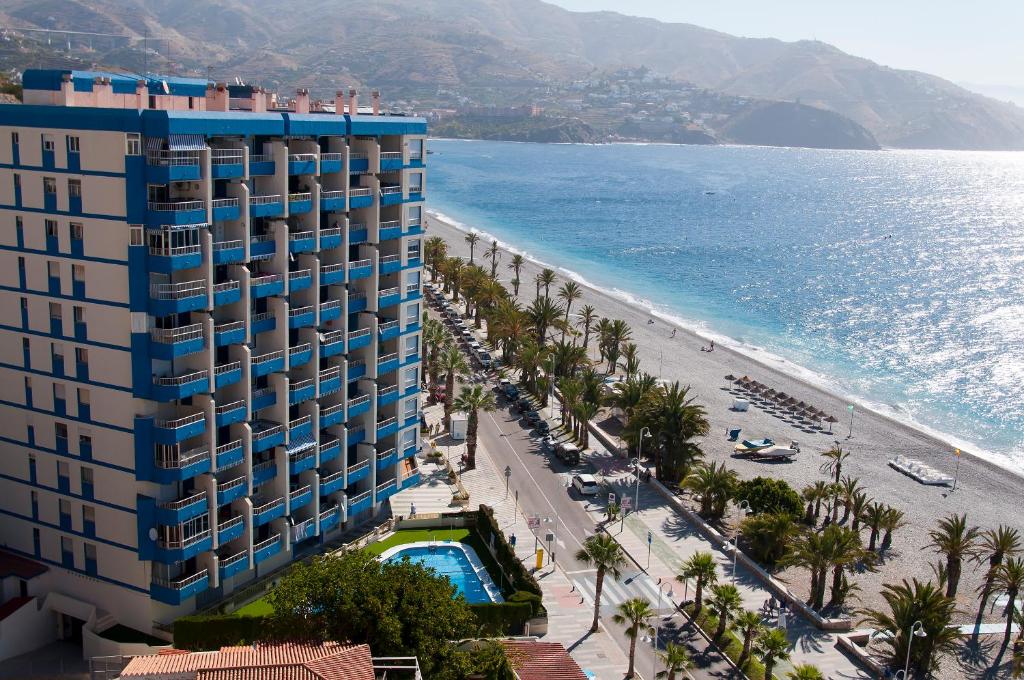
(449, 561)
(897, 274)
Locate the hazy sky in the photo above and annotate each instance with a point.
(976, 42)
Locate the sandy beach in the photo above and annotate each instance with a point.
(989, 494)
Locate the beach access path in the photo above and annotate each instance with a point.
(988, 494)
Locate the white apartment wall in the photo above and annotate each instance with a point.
(30, 627)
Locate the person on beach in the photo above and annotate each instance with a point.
(673, 333)
(712, 348)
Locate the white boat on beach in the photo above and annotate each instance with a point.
(779, 452)
(919, 472)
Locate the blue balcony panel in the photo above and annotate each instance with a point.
(226, 209)
(265, 286)
(389, 300)
(167, 347)
(388, 366)
(182, 510)
(356, 435)
(228, 374)
(332, 274)
(300, 355)
(300, 206)
(362, 271)
(389, 264)
(332, 202)
(387, 396)
(361, 201)
(179, 591)
(329, 520)
(390, 163)
(300, 500)
(300, 280)
(328, 450)
(265, 364)
(180, 213)
(356, 303)
(165, 174)
(227, 170)
(356, 370)
(386, 428)
(389, 330)
(261, 246)
(361, 505)
(263, 400)
(386, 492)
(302, 165)
(269, 513)
(387, 461)
(392, 198)
(390, 232)
(331, 482)
(266, 206)
(358, 406)
(332, 415)
(267, 441)
(357, 163)
(181, 387)
(231, 333)
(230, 454)
(262, 323)
(330, 385)
(332, 345)
(226, 293)
(232, 490)
(176, 430)
(261, 167)
(262, 473)
(230, 529)
(303, 317)
(357, 235)
(330, 164)
(412, 480)
(301, 242)
(234, 565)
(267, 549)
(330, 238)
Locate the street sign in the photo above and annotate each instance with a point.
(549, 537)
(627, 502)
(650, 538)
(533, 522)
(611, 498)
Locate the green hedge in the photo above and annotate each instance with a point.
(200, 633)
(520, 578)
(502, 618)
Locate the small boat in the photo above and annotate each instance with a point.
(779, 452)
(753, 445)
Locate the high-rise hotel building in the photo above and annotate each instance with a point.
(211, 305)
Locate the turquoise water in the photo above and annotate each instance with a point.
(452, 562)
(897, 274)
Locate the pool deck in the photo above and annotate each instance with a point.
(474, 561)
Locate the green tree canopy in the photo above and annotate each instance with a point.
(769, 495)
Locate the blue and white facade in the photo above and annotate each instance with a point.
(210, 331)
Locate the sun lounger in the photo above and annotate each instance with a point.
(918, 471)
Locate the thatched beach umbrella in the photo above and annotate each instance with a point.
(830, 420)
(730, 378)
(781, 397)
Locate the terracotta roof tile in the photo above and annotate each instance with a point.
(542, 661)
(329, 661)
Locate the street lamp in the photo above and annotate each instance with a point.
(745, 507)
(508, 473)
(551, 389)
(657, 627)
(916, 630)
(644, 432)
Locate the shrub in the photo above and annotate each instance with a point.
(201, 633)
(769, 495)
(514, 570)
(502, 618)
(729, 644)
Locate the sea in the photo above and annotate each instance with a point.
(894, 277)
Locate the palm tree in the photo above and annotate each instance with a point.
(543, 313)
(724, 602)
(435, 250)
(874, 516)
(956, 541)
(618, 333)
(528, 360)
(472, 238)
(834, 459)
(702, 568)
(1018, 659)
(570, 292)
(996, 545)
(571, 389)
(805, 671)
(603, 328)
(516, 265)
(676, 660)
(472, 400)
(891, 521)
(452, 363)
(587, 317)
(1010, 580)
(858, 504)
(810, 551)
(627, 397)
(844, 549)
(848, 488)
(434, 338)
(493, 253)
(909, 602)
(603, 552)
(569, 358)
(771, 646)
(814, 494)
(584, 412)
(713, 485)
(748, 625)
(630, 352)
(546, 278)
(674, 419)
(768, 534)
(634, 613)
(455, 269)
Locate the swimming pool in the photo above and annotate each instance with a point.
(456, 561)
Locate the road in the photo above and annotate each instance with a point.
(542, 484)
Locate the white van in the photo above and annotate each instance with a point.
(585, 484)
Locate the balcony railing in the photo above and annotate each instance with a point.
(328, 233)
(174, 251)
(269, 356)
(301, 420)
(177, 380)
(328, 512)
(356, 296)
(388, 291)
(359, 333)
(390, 155)
(175, 206)
(299, 311)
(359, 263)
(227, 368)
(301, 157)
(265, 279)
(338, 193)
(387, 259)
(262, 316)
(302, 196)
(302, 273)
(175, 460)
(381, 455)
(356, 226)
(226, 156)
(330, 373)
(386, 422)
(390, 224)
(329, 305)
(387, 326)
(229, 485)
(261, 238)
(234, 559)
(261, 158)
(358, 400)
(272, 541)
(358, 497)
(415, 156)
(298, 385)
(260, 467)
(268, 432)
(228, 245)
(269, 505)
(227, 408)
(412, 288)
(387, 391)
(262, 392)
(360, 191)
(294, 495)
(230, 524)
(299, 349)
(177, 291)
(185, 541)
(229, 327)
(169, 158)
(330, 268)
(230, 446)
(331, 156)
(356, 467)
(386, 358)
(226, 286)
(394, 189)
(386, 485)
(184, 421)
(328, 411)
(174, 335)
(182, 583)
(182, 503)
(332, 337)
(225, 202)
(264, 199)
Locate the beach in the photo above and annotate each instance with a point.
(987, 493)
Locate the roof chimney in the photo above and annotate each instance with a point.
(141, 95)
(375, 98)
(353, 101)
(339, 102)
(217, 97)
(67, 90)
(302, 100)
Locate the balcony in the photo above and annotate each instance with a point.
(387, 364)
(178, 591)
(227, 374)
(268, 205)
(388, 330)
(265, 286)
(359, 338)
(303, 530)
(263, 398)
(386, 459)
(387, 489)
(268, 511)
(167, 259)
(227, 163)
(330, 162)
(331, 274)
(387, 395)
(357, 233)
(175, 213)
(230, 413)
(389, 230)
(229, 454)
(356, 370)
(229, 491)
(300, 497)
(330, 310)
(172, 388)
(332, 415)
(332, 482)
(176, 430)
(263, 322)
(389, 264)
(300, 280)
(390, 160)
(174, 465)
(181, 510)
(261, 246)
(229, 333)
(164, 167)
(360, 197)
(356, 302)
(263, 472)
(330, 380)
(266, 435)
(390, 195)
(261, 164)
(302, 317)
(386, 426)
(301, 241)
(359, 269)
(408, 452)
(358, 162)
(332, 343)
(225, 209)
(415, 159)
(302, 164)
(170, 343)
(389, 297)
(300, 433)
(358, 405)
(300, 203)
(412, 292)
(230, 529)
(332, 201)
(330, 238)
(330, 518)
(237, 563)
(228, 252)
(264, 550)
(166, 299)
(264, 364)
(300, 355)
(300, 461)
(412, 479)
(413, 228)
(226, 293)
(359, 503)
(330, 447)
(356, 435)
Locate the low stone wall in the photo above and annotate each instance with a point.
(855, 644)
(777, 588)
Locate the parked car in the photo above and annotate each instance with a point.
(523, 404)
(585, 484)
(568, 453)
(543, 427)
(547, 444)
(512, 392)
(531, 417)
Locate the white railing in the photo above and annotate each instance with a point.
(384, 486)
(384, 454)
(358, 363)
(330, 373)
(387, 326)
(228, 245)
(169, 251)
(301, 157)
(353, 431)
(356, 226)
(234, 559)
(227, 368)
(302, 196)
(269, 356)
(388, 291)
(300, 421)
(260, 467)
(301, 385)
(301, 455)
(334, 193)
(262, 392)
(229, 524)
(177, 291)
(326, 514)
(359, 263)
(331, 156)
(391, 224)
(229, 326)
(331, 410)
(226, 286)
(224, 448)
(265, 199)
(267, 278)
(358, 400)
(331, 337)
(184, 421)
(299, 311)
(329, 305)
(173, 206)
(415, 156)
(299, 349)
(330, 268)
(300, 235)
(303, 529)
(360, 191)
(301, 273)
(172, 459)
(358, 155)
(232, 484)
(228, 407)
(412, 288)
(387, 391)
(183, 502)
(390, 155)
(386, 358)
(173, 335)
(413, 224)
(387, 259)
(273, 540)
(298, 492)
(262, 316)
(260, 509)
(360, 333)
(392, 189)
(327, 479)
(356, 467)
(332, 231)
(224, 202)
(168, 158)
(386, 422)
(182, 583)
(226, 156)
(359, 497)
(356, 296)
(176, 380)
(261, 158)
(261, 238)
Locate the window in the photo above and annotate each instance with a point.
(82, 355)
(133, 144)
(78, 273)
(83, 396)
(88, 515)
(75, 188)
(14, 138)
(84, 445)
(53, 269)
(135, 235)
(57, 350)
(49, 185)
(73, 144)
(65, 507)
(58, 390)
(17, 181)
(415, 181)
(66, 546)
(90, 552)
(410, 408)
(411, 377)
(86, 473)
(51, 228)
(48, 143)
(60, 431)
(79, 314)
(77, 231)
(412, 344)
(415, 212)
(55, 311)
(412, 314)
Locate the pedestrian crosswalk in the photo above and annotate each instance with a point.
(631, 584)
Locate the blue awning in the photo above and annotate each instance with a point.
(186, 142)
(302, 443)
